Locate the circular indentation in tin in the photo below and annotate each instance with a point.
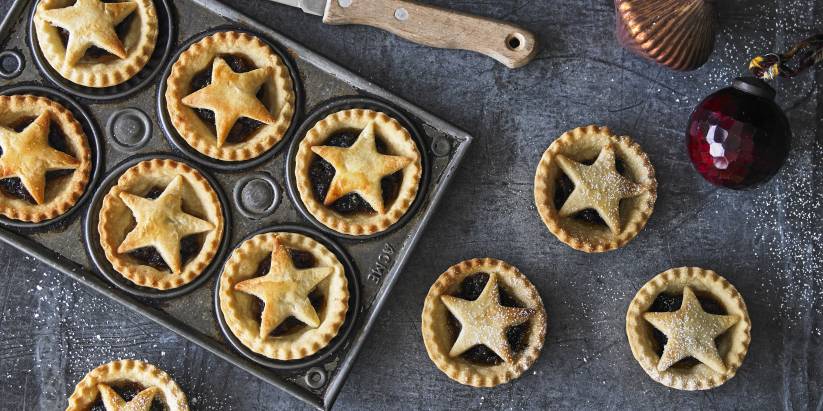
(91, 236)
(144, 78)
(315, 377)
(351, 314)
(11, 64)
(92, 134)
(257, 195)
(441, 147)
(344, 103)
(129, 129)
(180, 144)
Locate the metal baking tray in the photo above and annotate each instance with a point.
(127, 123)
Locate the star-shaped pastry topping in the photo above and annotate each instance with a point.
(599, 187)
(691, 333)
(285, 291)
(90, 23)
(114, 402)
(161, 223)
(359, 169)
(28, 156)
(484, 321)
(231, 96)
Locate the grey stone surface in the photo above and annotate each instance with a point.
(767, 242)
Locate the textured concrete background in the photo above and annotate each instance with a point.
(767, 242)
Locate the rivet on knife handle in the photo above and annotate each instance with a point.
(437, 27)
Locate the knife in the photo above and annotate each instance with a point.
(429, 25)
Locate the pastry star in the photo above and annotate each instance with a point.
(90, 23)
(161, 223)
(359, 169)
(691, 333)
(285, 291)
(114, 402)
(231, 96)
(599, 187)
(484, 321)
(28, 156)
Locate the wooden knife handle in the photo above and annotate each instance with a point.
(437, 27)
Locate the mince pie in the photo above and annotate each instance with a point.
(161, 224)
(483, 322)
(96, 43)
(127, 385)
(45, 160)
(284, 295)
(358, 171)
(689, 328)
(594, 190)
(230, 97)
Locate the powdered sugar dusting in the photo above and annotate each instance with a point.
(786, 223)
(58, 343)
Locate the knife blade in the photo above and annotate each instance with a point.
(315, 7)
(430, 26)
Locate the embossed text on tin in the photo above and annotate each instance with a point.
(384, 260)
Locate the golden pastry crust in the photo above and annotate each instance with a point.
(585, 143)
(279, 95)
(732, 345)
(238, 308)
(61, 193)
(398, 142)
(438, 335)
(105, 71)
(87, 392)
(116, 221)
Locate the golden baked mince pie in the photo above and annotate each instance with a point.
(594, 190)
(358, 171)
(284, 295)
(161, 224)
(45, 160)
(96, 43)
(483, 322)
(127, 385)
(689, 328)
(230, 97)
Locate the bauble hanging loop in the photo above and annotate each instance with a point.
(796, 60)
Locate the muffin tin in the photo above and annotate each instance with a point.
(128, 123)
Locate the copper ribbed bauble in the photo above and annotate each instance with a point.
(678, 34)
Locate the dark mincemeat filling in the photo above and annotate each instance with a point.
(189, 246)
(517, 336)
(301, 260)
(128, 390)
(321, 174)
(95, 52)
(12, 186)
(671, 303)
(564, 189)
(244, 127)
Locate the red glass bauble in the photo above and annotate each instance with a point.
(739, 137)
